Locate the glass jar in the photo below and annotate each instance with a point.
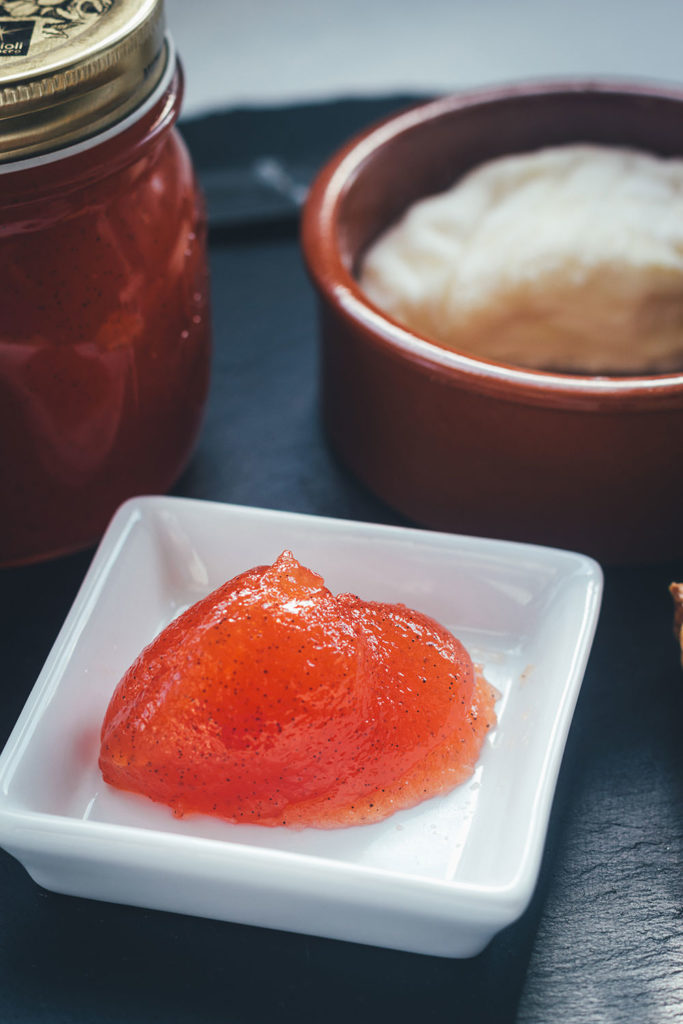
(104, 319)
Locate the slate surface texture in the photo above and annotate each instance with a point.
(603, 938)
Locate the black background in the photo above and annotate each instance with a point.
(603, 937)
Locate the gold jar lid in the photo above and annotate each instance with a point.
(71, 68)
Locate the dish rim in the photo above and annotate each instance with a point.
(499, 904)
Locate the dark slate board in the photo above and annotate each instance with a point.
(603, 938)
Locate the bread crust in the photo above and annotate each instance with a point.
(676, 591)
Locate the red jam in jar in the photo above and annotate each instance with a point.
(104, 319)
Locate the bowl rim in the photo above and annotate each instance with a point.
(337, 286)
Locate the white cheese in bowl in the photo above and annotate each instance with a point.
(568, 259)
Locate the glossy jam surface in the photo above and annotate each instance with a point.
(274, 702)
(104, 334)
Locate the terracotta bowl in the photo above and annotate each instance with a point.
(475, 446)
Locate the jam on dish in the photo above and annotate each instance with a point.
(274, 702)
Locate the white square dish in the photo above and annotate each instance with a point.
(441, 878)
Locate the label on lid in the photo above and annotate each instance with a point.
(25, 24)
(54, 34)
(71, 67)
(15, 38)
